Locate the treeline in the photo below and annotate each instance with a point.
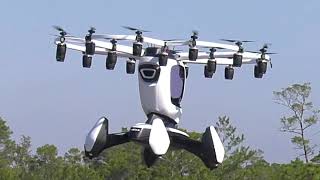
(125, 161)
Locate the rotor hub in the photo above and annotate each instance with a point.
(114, 44)
(212, 51)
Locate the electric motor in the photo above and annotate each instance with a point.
(61, 52)
(111, 60)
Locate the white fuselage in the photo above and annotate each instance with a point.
(163, 94)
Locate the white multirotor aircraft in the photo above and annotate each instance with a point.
(162, 74)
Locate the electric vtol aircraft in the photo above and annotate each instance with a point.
(162, 74)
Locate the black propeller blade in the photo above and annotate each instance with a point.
(135, 29)
(263, 52)
(169, 40)
(235, 40)
(61, 30)
(194, 37)
(92, 30)
(138, 32)
(195, 33)
(269, 53)
(238, 43)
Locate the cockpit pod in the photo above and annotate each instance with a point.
(161, 87)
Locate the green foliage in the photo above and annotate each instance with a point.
(227, 132)
(6, 145)
(316, 159)
(303, 115)
(125, 162)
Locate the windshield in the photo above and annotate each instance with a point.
(177, 84)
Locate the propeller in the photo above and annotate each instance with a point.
(62, 33)
(61, 30)
(194, 37)
(195, 33)
(134, 29)
(138, 32)
(235, 40)
(173, 40)
(212, 51)
(114, 44)
(165, 47)
(91, 31)
(263, 52)
(239, 43)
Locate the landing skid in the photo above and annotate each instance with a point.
(210, 149)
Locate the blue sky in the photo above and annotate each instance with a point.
(57, 103)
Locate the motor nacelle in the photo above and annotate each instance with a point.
(111, 60)
(163, 59)
(90, 48)
(212, 66)
(228, 72)
(130, 66)
(207, 73)
(61, 52)
(237, 60)
(262, 66)
(257, 72)
(193, 53)
(137, 49)
(86, 61)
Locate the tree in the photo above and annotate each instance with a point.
(296, 98)
(47, 153)
(237, 156)
(6, 145)
(228, 135)
(316, 159)
(73, 156)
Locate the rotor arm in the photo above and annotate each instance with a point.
(254, 55)
(217, 45)
(220, 61)
(102, 48)
(108, 36)
(153, 41)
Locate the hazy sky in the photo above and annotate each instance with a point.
(58, 103)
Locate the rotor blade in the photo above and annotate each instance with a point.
(209, 47)
(67, 36)
(130, 28)
(175, 40)
(134, 29)
(236, 40)
(217, 45)
(254, 52)
(195, 32)
(229, 40)
(58, 28)
(266, 45)
(246, 41)
(258, 52)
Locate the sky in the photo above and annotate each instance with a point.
(58, 103)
